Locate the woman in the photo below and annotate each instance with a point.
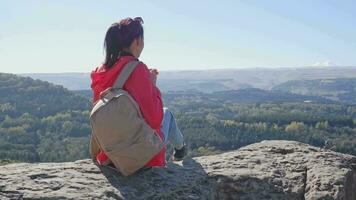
(124, 42)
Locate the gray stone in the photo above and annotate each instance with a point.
(272, 169)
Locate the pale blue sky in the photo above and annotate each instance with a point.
(67, 35)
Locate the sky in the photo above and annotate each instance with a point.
(67, 36)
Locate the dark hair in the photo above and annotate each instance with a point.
(119, 36)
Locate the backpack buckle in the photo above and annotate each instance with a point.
(107, 94)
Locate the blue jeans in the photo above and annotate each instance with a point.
(170, 130)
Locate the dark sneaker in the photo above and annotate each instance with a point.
(179, 154)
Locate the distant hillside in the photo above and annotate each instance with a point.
(36, 97)
(40, 121)
(343, 90)
(253, 95)
(200, 85)
(248, 95)
(214, 80)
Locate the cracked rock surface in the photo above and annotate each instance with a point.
(272, 169)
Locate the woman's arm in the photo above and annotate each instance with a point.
(146, 94)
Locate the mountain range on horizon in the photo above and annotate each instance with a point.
(213, 80)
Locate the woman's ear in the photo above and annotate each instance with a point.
(141, 41)
(137, 42)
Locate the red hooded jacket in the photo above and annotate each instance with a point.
(141, 88)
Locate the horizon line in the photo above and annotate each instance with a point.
(213, 69)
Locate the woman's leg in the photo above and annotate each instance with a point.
(171, 132)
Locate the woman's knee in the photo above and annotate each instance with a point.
(167, 111)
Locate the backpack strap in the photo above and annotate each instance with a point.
(125, 74)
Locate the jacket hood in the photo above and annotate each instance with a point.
(101, 76)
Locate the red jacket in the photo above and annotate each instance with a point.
(141, 88)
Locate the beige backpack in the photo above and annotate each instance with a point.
(119, 129)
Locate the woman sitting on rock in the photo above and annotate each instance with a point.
(124, 42)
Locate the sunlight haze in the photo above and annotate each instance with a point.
(67, 36)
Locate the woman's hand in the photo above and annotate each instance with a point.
(154, 74)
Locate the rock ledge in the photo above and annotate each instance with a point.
(273, 169)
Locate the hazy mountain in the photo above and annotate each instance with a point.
(343, 90)
(72, 81)
(214, 80)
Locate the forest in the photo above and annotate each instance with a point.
(43, 122)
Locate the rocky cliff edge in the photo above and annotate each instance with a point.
(271, 169)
